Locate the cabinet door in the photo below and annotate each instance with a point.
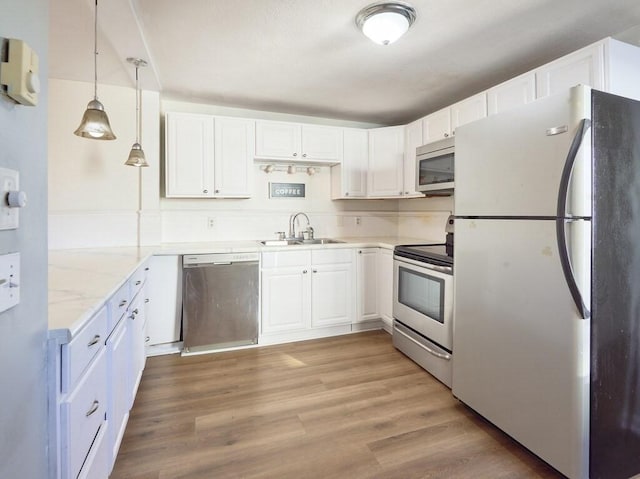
(385, 285)
(349, 180)
(119, 395)
(515, 92)
(332, 294)
(189, 155)
(386, 157)
(585, 67)
(436, 126)
(277, 140)
(321, 143)
(286, 299)
(137, 345)
(466, 111)
(165, 299)
(367, 284)
(412, 140)
(234, 148)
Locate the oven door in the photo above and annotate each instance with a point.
(423, 301)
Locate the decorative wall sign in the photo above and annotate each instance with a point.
(286, 190)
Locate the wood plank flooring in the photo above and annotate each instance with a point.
(344, 407)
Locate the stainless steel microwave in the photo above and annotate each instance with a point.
(434, 167)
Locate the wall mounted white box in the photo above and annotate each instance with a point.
(9, 280)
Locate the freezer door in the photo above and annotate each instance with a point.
(521, 347)
(512, 164)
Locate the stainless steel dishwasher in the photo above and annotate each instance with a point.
(219, 301)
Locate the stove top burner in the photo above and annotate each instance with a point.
(426, 253)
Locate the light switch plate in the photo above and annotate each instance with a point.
(9, 280)
(9, 181)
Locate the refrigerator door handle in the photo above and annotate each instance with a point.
(561, 221)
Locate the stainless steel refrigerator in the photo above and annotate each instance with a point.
(547, 279)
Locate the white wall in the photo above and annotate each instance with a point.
(23, 329)
(93, 196)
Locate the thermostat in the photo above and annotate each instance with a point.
(20, 73)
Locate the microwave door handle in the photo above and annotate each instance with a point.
(561, 221)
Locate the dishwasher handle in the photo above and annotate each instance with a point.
(199, 260)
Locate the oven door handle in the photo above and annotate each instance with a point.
(445, 356)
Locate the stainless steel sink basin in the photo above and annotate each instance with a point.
(291, 242)
(321, 241)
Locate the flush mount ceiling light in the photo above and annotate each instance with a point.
(136, 155)
(95, 123)
(385, 22)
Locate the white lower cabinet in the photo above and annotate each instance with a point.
(385, 286)
(93, 378)
(306, 289)
(367, 284)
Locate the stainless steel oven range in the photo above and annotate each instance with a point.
(423, 307)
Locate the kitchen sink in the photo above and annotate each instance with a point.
(320, 241)
(292, 242)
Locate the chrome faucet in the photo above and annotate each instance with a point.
(292, 226)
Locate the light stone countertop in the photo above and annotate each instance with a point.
(81, 280)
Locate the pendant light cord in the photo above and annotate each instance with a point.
(95, 53)
(138, 108)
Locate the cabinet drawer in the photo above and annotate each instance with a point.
(77, 355)
(138, 279)
(81, 415)
(118, 304)
(97, 464)
(285, 258)
(331, 256)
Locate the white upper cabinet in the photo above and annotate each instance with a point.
(386, 157)
(412, 140)
(321, 143)
(349, 179)
(466, 111)
(436, 126)
(189, 155)
(585, 67)
(233, 160)
(207, 156)
(515, 92)
(443, 123)
(295, 142)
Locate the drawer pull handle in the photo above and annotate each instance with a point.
(146, 269)
(147, 339)
(138, 283)
(94, 408)
(95, 340)
(146, 300)
(122, 303)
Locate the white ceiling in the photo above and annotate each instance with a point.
(307, 56)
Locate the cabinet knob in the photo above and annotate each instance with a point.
(400, 193)
(406, 192)
(346, 193)
(446, 135)
(315, 270)
(217, 191)
(205, 191)
(304, 155)
(453, 132)
(146, 269)
(295, 154)
(304, 271)
(359, 251)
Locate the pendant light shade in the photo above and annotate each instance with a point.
(385, 22)
(95, 123)
(136, 155)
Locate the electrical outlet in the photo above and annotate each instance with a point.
(358, 221)
(211, 222)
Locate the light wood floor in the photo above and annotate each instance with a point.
(345, 407)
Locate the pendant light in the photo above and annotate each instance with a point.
(95, 123)
(385, 22)
(136, 155)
